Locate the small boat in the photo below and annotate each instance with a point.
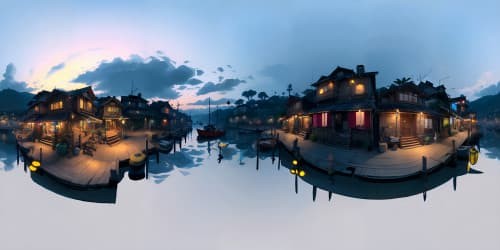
(222, 145)
(267, 142)
(210, 131)
(165, 146)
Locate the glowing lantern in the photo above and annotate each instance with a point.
(293, 171)
(34, 166)
(295, 162)
(302, 173)
(473, 156)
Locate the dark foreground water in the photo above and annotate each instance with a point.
(191, 201)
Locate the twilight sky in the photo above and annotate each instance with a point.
(189, 50)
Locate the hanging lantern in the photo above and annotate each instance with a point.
(295, 162)
(293, 171)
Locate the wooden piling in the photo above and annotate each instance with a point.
(315, 190)
(147, 159)
(424, 165)
(279, 158)
(296, 184)
(40, 155)
(454, 152)
(157, 156)
(17, 152)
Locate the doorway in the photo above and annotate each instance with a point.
(408, 124)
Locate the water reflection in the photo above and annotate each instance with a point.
(357, 187)
(491, 141)
(240, 150)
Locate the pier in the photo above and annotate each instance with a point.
(84, 171)
(389, 165)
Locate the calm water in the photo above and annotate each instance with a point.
(191, 201)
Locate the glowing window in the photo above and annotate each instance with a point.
(360, 119)
(81, 103)
(359, 89)
(89, 106)
(324, 119)
(56, 105)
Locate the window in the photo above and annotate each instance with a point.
(88, 107)
(360, 119)
(323, 90)
(359, 89)
(81, 103)
(428, 123)
(37, 109)
(56, 105)
(166, 111)
(324, 119)
(112, 109)
(408, 97)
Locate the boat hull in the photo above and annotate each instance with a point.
(210, 133)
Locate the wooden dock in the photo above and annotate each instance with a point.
(402, 163)
(83, 171)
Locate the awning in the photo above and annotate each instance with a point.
(89, 117)
(344, 107)
(408, 107)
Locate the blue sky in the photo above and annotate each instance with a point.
(56, 43)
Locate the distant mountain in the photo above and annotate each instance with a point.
(13, 101)
(486, 106)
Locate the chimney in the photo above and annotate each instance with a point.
(360, 69)
(139, 95)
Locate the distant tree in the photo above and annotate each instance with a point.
(249, 94)
(289, 89)
(239, 102)
(263, 95)
(401, 81)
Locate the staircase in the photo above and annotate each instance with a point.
(113, 139)
(48, 140)
(409, 142)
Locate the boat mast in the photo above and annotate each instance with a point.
(209, 111)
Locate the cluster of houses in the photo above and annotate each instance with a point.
(346, 108)
(72, 116)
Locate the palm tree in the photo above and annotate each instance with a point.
(262, 95)
(401, 81)
(289, 89)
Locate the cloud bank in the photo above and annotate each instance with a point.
(226, 85)
(8, 81)
(153, 77)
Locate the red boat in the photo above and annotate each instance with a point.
(210, 132)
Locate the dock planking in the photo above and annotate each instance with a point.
(397, 164)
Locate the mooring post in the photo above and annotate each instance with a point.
(454, 154)
(40, 154)
(147, 158)
(17, 152)
(157, 156)
(424, 165)
(279, 158)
